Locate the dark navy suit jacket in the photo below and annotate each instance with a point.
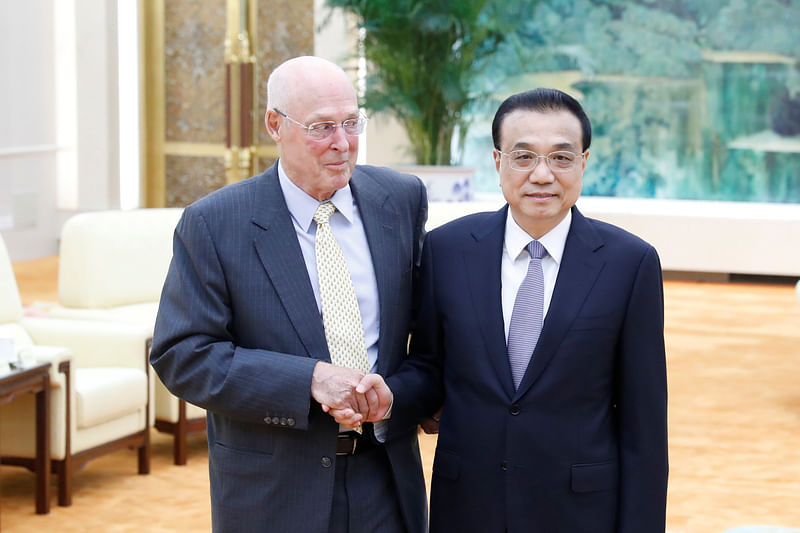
(239, 332)
(581, 446)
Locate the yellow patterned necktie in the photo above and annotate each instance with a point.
(341, 317)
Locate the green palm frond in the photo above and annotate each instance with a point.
(424, 57)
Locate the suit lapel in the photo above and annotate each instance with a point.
(580, 266)
(482, 262)
(377, 215)
(278, 249)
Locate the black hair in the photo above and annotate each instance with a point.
(541, 100)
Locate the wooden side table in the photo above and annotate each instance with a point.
(35, 379)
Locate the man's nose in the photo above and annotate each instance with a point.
(541, 173)
(339, 140)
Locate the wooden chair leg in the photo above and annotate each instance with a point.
(64, 472)
(144, 459)
(180, 445)
(64, 467)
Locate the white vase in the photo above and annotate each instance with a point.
(444, 183)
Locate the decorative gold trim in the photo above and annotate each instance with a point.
(194, 149)
(252, 27)
(228, 161)
(266, 150)
(154, 123)
(232, 59)
(232, 31)
(245, 162)
(245, 55)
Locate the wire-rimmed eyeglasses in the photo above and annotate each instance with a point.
(323, 130)
(558, 161)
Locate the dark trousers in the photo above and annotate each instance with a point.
(364, 495)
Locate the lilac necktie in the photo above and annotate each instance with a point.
(526, 318)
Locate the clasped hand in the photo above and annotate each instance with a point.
(350, 396)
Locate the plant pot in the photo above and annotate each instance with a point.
(444, 183)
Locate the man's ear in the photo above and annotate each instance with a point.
(272, 122)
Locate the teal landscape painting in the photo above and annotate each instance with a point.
(688, 99)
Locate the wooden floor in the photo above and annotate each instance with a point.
(734, 382)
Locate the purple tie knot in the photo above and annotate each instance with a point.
(536, 250)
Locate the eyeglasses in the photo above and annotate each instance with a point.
(323, 130)
(559, 161)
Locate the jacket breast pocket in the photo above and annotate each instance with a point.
(592, 477)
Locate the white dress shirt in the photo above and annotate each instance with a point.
(515, 261)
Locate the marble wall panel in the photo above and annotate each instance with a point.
(285, 30)
(194, 50)
(190, 178)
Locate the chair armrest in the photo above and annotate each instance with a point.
(93, 344)
(55, 355)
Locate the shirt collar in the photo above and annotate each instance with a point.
(516, 238)
(302, 206)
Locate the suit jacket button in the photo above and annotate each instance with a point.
(268, 420)
(514, 410)
(326, 462)
(276, 420)
(503, 465)
(290, 422)
(283, 421)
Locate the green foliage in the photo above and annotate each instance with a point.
(424, 58)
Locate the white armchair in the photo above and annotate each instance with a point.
(100, 388)
(112, 266)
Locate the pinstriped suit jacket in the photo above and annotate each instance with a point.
(238, 333)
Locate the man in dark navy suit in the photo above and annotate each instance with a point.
(540, 336)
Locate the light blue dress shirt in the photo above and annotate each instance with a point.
(348, 228)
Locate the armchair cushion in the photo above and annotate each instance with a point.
(112, 258)
(142, 313)
(108, 393)
(94, 344)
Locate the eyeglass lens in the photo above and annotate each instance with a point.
(321, 130)
(527, 160)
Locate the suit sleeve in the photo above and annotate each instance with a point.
(194, 349)
(642, 404)
(417, 385)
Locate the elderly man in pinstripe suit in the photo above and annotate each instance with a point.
(241, 333)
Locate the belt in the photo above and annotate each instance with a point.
(351, 443)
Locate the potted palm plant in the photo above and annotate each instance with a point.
(425, 58)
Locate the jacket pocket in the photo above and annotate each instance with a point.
(446, 465)
(595, 476)
(237, 461)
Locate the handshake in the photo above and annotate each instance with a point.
(350, 396)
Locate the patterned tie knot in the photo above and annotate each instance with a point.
(536, 250)
(324, 212)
